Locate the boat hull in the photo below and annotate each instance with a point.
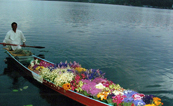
(69, 93)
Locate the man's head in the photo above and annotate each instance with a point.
(14, 26)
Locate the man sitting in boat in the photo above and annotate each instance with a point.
(14, 36)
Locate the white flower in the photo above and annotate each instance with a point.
(36, 62)
(115, 92)
(100, 86)
(32, 64)
(63, 78)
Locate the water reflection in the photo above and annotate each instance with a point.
(13, 74)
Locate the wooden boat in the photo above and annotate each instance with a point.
(23, 62)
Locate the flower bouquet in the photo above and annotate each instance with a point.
(91, 82)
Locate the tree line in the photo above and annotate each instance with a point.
(147, 3)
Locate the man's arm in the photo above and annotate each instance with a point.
(6, 39)
(23, 38)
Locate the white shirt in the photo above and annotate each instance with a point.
(14, 38)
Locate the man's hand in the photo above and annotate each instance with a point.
(4, 44)
(23, 44)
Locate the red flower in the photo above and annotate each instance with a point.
(83, 76)
(132, 104)
(77, 78)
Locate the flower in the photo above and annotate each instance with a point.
(90, 88)
(100, 86)
(80, 69)
(76, 83)
(157, 101)
(91, 83)
(148, 99)
(92, 74)
(77, 78)
(116, 92)
(59, 76)
(74, 64)
(139, 103)
(66, 86)
(102, 95)
(46, 64)
(138, 96)
(79, 87)
(128, 94)
(99, 80)
(39, 67)
(118, 99)
(65, 77)
(83, 76)
(62, 65)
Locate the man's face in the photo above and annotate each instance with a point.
(14, 27)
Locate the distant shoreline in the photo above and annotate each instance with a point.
(123, 4)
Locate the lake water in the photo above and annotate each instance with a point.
(132, 45)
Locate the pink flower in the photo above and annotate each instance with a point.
(98, 80)
(118, 99)
(90, 88)
(106, 83)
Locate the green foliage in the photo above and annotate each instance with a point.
(85, 93)
(15, 90)
(127, 104)
(149, 3)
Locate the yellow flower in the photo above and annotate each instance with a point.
(102, 95)
(39, 68)
(157, 101)
(80, 69)
(66, 86)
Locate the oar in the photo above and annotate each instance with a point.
(23, 46)
(40, 47)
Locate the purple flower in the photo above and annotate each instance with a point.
(45, 64)
(89, 86)
(128, 94)
(110, 96)
(35, 66)
(61, 65)
(128, 99)
(74, 65)
(85, 81)
(148, 99)
(92, 74)
(139, 103)
(70, 70)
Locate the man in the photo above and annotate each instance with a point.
(14, 36)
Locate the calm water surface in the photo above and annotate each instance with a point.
(132, 45)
